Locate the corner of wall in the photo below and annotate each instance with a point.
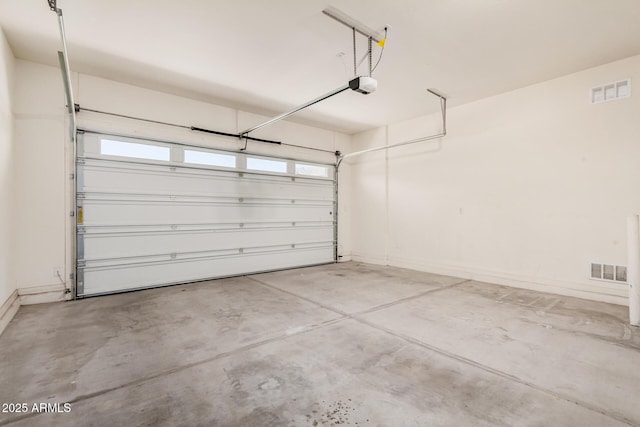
(342, 144)
(9, 301)
(8, 310)
(507, 196)
(42, 294)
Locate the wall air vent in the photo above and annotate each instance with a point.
(610, 91)
(608, 272)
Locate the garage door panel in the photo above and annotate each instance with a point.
(145, 223)
(114, 198)
(124, 213)
(103, 177)
(177, 258)
(129, 244)
(103, 280)
(160, 228)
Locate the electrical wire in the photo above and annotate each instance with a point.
(382, 51)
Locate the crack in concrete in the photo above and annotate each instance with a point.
(167, 372)
(368, 310)
(345, 316)
(505, 375)
(586, 405)
(400, 301)
(288, 334)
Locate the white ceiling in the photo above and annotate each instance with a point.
(268, 56)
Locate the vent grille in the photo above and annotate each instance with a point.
(609, 272)
(610, 91)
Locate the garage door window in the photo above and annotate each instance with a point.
(312, 170)
(211, 159)
(266, 165)
(130, 149)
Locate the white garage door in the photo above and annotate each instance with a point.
(156, 213)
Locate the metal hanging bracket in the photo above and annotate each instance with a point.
(348, 21)
(443, 133)
(364, 85)
(63, 58)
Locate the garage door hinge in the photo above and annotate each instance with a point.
(80, 161)
(72, 276)
(72, 176)
(79, 195)
(72, 213)
(81, 264)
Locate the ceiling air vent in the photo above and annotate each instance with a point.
(610, 91)
(609, 272)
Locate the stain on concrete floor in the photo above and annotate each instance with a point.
(440, 351)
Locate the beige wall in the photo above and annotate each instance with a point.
(527, 188)
(7, 285)
(44, 156)
(39, 209)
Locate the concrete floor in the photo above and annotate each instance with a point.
(345, 344)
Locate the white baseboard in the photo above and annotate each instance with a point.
(26, 296)
(42, 294)
(604, 292)
(595, 292)
(368, 258)
(8, 310)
